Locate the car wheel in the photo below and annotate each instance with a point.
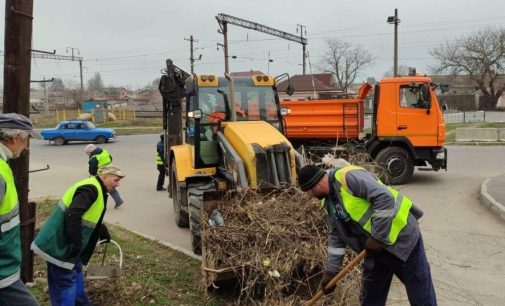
(59, 141)
(101, 139)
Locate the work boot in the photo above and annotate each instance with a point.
(161, 189)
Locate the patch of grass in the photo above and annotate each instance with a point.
(152, 274)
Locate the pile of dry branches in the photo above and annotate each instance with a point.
(276, 245)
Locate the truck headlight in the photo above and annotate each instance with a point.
(440, 155)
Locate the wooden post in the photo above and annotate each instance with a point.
(17, 68)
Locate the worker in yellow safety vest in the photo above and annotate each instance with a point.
(15, 132)
(366, 214)
(98, 158)
(69, 236)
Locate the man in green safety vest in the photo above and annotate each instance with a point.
(161, 164)
(366, 214)
(98, 158)
(69, 236)
(15, 131)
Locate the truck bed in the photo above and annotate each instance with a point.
(327, 120)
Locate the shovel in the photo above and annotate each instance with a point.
(338, 277)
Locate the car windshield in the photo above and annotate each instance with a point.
(90, 125)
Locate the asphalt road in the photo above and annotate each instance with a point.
(465, 242)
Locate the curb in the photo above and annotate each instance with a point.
(486, 199)
(167, 244)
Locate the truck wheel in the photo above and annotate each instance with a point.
(398, 165)
(59, 141)
(195, 201)
(180, 216)
(101, 139)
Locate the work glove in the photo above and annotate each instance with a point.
(104, 234)
(327, 277)
(74, 250)
(373, 245)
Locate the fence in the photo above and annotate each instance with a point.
(464, 116)
(119, 113)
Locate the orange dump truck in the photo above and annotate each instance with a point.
(407, 126)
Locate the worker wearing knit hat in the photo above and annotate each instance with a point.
(365, 214)
(309, 176)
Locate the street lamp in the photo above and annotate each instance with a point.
(395, 20)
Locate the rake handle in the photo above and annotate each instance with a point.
(337, 277)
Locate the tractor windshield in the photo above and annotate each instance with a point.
(251, 103)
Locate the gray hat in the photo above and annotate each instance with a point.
(18, 122)
(110, 169)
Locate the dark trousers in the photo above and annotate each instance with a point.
(17, 295)
(414, 274)
(161, 176)
(66, 287)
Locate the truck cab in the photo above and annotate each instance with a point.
(408, 127)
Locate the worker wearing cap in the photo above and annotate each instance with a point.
(366, 214)
(69, 236)
(98, 158)
(15, 131)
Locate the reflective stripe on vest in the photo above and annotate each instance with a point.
(92, 215)
(103, 158)
(10, 240)
(361, 211)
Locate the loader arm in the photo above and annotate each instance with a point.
(172, 90)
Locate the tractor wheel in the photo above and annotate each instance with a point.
(180, 216)
(59, 141)
(195, 202)
(398, 165)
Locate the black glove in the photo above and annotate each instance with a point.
(373, 245)
(74, 250)
(327, 277)
(104, 234)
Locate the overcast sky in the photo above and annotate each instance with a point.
(127, 41)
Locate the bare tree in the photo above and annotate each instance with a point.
(481, 56)
(345, 60)
(95, 83)
(57, 85)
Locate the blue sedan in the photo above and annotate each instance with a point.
(77, 130)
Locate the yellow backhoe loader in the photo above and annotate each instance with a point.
(221, 134)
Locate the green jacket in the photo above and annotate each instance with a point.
(52, 243)
(10, 240)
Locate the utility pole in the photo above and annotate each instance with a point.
(304, 42)
(224, 30)
(46, 98)
(17, 69)
(191, 57)
(80, 71)
(395, 20)
(269, 61)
